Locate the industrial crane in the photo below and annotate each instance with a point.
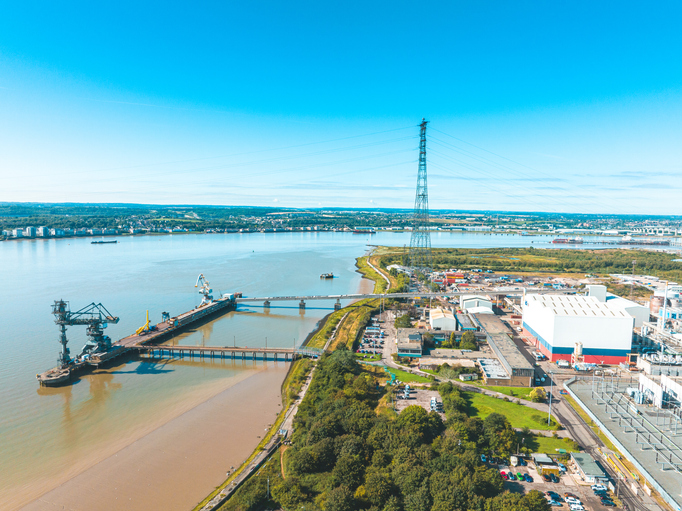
(204, 290)
(95, 316)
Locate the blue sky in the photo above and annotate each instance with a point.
(547, 106)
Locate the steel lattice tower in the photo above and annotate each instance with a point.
(420, 243)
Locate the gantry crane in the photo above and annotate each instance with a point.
(204, 290)
(95, 316)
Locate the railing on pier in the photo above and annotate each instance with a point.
(161, 351)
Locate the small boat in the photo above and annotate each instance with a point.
(364, 231)
(327, 276)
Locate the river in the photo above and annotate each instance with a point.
(49, 436)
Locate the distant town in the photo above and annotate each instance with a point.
(20, 221)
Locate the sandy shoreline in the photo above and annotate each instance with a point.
(174, 463)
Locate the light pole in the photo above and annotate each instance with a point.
(549, 415)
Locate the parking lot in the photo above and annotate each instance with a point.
(568, 483)
(417, 397)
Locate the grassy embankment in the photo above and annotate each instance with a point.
(351, 316)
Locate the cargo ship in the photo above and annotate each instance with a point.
(364, 231)
(102, 242)
(569, 241)
(327, 276)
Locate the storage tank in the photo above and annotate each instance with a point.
(656, 304)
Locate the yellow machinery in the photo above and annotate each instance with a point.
(144, 328)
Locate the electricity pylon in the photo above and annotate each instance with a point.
(420, 242)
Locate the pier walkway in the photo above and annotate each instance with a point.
(161, 351)
(267, 300)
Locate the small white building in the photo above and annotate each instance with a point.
(18, 233)
(43, 232)
(442, 319)
(476, 304)
(30, 232)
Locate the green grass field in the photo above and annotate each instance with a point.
(367, 358)
(547, 444)
(520, 392)
(406, 377)
(519, 416)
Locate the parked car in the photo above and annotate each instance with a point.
(608, 503)
(483, 459)
(519, 476)
(546, 478)
(569, 494)
(555, 503)
(562, 467)
(599, 487)
(554, 478)
(528, 478)
(503, 474)
(577, 507)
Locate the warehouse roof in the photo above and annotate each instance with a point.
(465, 322)
(588, 465)
(440, 313)
(574, 305)
(503, 345)
(492, 368)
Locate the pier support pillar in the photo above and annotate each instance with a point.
(301, 305)
(266, 304)
(337, 305)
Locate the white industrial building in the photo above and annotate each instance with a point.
(476, 304)
(590, 326)
(440, 319)
(663, 392)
